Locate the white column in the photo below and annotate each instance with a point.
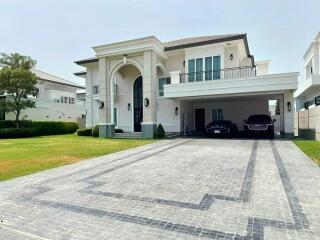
(288, 115)
(149, 91)
(104, 92)
(89, 100)
(148, 82)
(175, 77)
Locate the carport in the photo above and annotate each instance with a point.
(233, 99)
(197, 113)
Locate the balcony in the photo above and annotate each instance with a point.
(224, 74)
(240, 81)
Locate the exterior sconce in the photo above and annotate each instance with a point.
(184, 63)
(146, 102)
(289, 106)
(101, 104)
(125, 59)
(176, 111)
(129, 106)
(231, 56)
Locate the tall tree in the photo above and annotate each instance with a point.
(17, 82)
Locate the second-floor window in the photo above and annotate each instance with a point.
(95, 89)
(210, 70)
(162, 82)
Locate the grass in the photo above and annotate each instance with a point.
(311, 148)
(20, 157)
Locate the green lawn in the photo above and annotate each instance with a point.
(20, 157)
(311, 148)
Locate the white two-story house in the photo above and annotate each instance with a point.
(308, 92)
(183, 84)
(56, 100)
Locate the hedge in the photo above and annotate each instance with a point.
(84, 132)
(35, 128)
(95, 131)
(17, 132)
(53, 128)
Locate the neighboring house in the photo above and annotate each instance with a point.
(183, 84)
(308, 92)
(56, 100)
(307, 96)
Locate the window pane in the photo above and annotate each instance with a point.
(214, 114)
(220, 114)
(168, 80)
(208, 68)
(216, 67)
(199, 69)
(191, 70)
(217, 114)
(162, 81)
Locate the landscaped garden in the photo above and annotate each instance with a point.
(311, 148)
(23, 156)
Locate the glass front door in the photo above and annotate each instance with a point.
(137, 104)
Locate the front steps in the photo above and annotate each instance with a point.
(128, 135)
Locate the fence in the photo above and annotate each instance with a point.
(307, 123)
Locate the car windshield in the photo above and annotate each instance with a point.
(259, 118)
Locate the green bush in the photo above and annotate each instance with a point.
(84, 132)
(40, 128)
(17, 132)
(160, 131)
(53, 128)
(118, 130)
(95, 131)
(12, 124)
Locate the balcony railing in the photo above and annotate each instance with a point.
(227, 73)
(315, 101)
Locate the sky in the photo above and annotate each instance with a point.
(56, 33)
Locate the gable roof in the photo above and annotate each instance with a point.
(194, 42)
(202, 40)
(51, 78)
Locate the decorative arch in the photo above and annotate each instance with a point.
(112, 74)
(121, 64)
(162, 68)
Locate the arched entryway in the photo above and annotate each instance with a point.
(137, 104)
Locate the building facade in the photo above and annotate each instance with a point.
(183, 84)
(307, 96)
(308, 92)
(56, 100)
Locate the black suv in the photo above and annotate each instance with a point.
(221, 128)
(259, 124)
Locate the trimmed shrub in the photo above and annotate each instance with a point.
(17, 132)
(160, 131)
(12, 124)
(95, 131)
(53, 128)
(84, 132)
(118, 130)
(39, 128)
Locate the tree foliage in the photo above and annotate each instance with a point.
(17, 82)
